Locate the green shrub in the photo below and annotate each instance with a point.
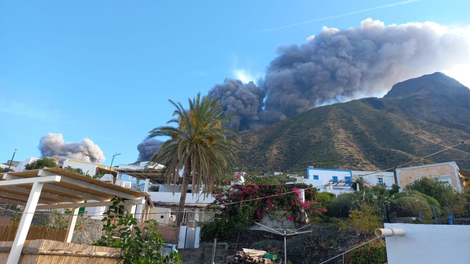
(373, 253)
(342, 205)
(441, 191)
(428, 198)
(326, 199)
(41, 163)
(411, 206)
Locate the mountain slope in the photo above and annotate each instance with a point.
(434, 98)
(366, 134)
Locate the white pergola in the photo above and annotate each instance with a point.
(54, 188)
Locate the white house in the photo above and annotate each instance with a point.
(446, 172)
(372, 178)
(329, 180)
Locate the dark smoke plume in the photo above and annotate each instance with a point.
(53, 145)
(148, 148)
(341, 65)
(244, 100)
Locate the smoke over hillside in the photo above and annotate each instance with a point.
(148, 148)
(341, 65)
(53, 145)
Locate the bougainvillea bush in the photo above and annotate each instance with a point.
(240, 206)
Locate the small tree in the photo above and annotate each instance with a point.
(363, 220)
(137, 245)
(41, 163)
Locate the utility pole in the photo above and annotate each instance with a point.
(110, 168)
(12, 158)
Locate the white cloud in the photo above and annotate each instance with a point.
(460, 73)
(244, 76)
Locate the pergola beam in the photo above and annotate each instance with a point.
(11, 201)
(87, 185)
(15, 180)
(43, 194)
(92, 204)
(83, 194)
(22, 198)
(49, 187)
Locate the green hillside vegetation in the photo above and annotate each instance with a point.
(366, 134)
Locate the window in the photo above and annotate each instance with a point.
(335, 179)
(380, 181)
(348, 180)
(316, 177)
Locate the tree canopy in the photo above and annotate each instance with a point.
(199, 143)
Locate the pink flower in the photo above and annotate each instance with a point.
(268, 202)
(324, 210)
(291, 218)
(296, 190)
(291, 202)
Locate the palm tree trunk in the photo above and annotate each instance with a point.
(184, 190)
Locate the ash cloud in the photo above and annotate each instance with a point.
(341, 65)
(244, 100)
(53, 145)
(148, 148)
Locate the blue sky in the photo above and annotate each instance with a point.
(104, 70)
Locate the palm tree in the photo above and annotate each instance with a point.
(200, 143)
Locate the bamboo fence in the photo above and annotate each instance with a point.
(8, 233)
(47, 251)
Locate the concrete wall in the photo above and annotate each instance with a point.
(429, 244)
(444, 171)
(170, 198)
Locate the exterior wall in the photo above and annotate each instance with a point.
(325, 176)
(388, 178)
(444, 171)
(161, 215)
(168, 197)
(87, 168)
(431, 244)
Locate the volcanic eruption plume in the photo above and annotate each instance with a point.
(341, 65)
(53, 145)
(148, 148)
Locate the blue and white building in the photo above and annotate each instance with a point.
(340, 181)
(329, 180)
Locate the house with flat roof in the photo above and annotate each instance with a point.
(446, 172)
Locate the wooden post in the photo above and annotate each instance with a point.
(25, 223)
(72, 222)
(213, 252)
(285, 246)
